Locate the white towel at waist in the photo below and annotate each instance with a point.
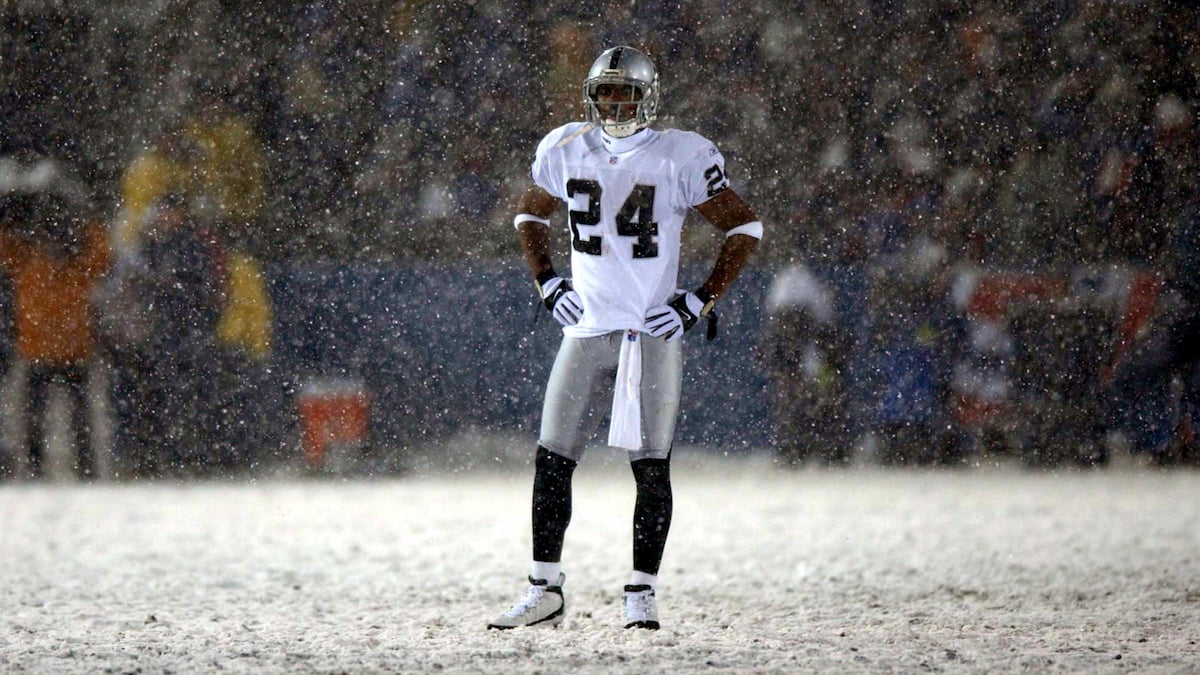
(625, 425)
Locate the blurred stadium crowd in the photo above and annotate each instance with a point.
(977, 211)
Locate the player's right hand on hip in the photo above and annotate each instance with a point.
(562, 301)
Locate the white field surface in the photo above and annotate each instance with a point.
(980, 570)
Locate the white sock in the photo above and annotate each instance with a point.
(546, 570)
(643, 579)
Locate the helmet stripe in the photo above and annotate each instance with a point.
(616, 58)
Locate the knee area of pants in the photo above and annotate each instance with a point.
(553, 463)
(653, 475)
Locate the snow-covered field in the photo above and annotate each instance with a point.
(981, 570)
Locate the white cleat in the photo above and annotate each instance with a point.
(641, 610)
(542, 605)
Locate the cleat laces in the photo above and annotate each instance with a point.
(638, 606)
(641, 611)
(532, 597)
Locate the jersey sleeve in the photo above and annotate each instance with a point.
(703, 173)
(547, 161)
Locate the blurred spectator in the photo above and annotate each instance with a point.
(124, 327)
(245, 324)
(395, 162)
(55, 254)
(410, 89)
(228, 162)
(804, 347)
(571, 46)
(166, 165)
(390, 169)
(165, 384)
(245, 423)
(1110, 153)
(161, 173)
(1155, 381)
(912, 327)
(186, 279)
(41, 88)
(474, 191)
(1040, 199)
(213, 155)
(319, 140)
(1060, 349)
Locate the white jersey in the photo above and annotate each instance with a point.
(627, 199)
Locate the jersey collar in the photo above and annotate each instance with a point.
(620, 146)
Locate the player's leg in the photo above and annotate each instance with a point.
(544, 603)
(582, 371)
(551, 511)
(651, 515)
(651, 523)
(569, 418)
(662, 367)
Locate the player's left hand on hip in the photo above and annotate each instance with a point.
(672, 320)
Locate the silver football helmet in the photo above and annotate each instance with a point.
(624, 67)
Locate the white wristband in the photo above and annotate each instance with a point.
(525, 217)
(751, 229)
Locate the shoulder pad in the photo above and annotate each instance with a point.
(688, 143)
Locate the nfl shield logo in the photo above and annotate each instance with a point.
(632, 336)
(612, 160)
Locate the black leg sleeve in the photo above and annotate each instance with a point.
(551, 504)
(651, 513)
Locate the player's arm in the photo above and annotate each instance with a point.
(728, 213)
(534, 208)
(532, 221)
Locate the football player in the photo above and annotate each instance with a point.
(627, 188)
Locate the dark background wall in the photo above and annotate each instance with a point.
(446, 346)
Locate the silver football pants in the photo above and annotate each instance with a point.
(579, 394)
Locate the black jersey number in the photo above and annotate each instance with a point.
(591, 188)
(634, 219)
(717, 182)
